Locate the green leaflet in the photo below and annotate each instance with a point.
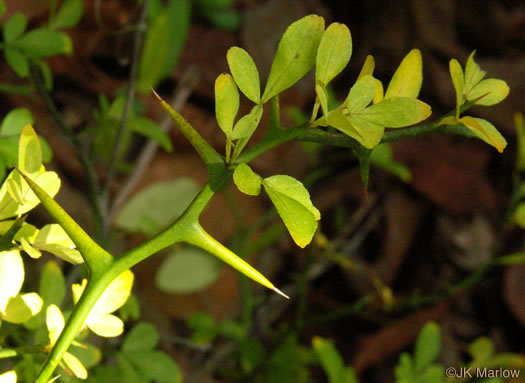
(428, 345)
(295, 55)
(489, 92)
(408, 77)
(29, 152)
(332, 362)
(292, 201)
(187, 270)
(68, 15)
(156, 206)
(10, 208)
(14, 27)
(334, 52)
(322, 94)
(11, 276)
(144, 336)
(337, 119)
(246, 180)
(17, 61)
(52, 286)
(148, 128)
(247, 124)
(396, 112)
(163, 43)
(370, 133)
(14, 121)
(485, 131)
(43, 42)
(361, 94)
(473, 74)
(458, 79)
(245, 73)
(226, 103)
(53, 239)
(368, 67)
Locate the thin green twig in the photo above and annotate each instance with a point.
(74, 141)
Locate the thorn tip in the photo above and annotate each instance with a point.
(275, 289)
(156, 94)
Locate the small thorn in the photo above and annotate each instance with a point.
(280, 292)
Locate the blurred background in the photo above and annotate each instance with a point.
(380, 267)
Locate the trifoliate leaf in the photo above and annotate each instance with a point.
(490, 92)
(246, 180)
(396, 112)
(334, 52)
(295, 55)
(292, 201)
(244, 73)
(226, 102)
(407, 80)
(485, 130)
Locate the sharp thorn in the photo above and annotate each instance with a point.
(280, 292)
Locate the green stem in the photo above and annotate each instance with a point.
(100, 278)
(104, 268)
(94, 289)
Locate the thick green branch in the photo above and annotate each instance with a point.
(97, 259)
(91, 294)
